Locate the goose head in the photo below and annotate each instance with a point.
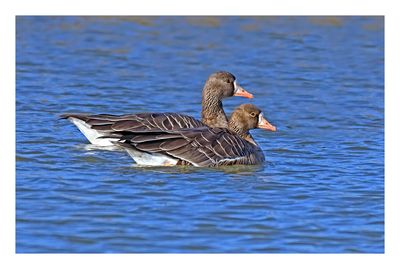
(223, 84)
(246, 117)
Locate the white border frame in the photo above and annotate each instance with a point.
(205, 7)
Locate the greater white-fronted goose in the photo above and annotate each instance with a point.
(202, 146)
(219, 85)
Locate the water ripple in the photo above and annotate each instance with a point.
(320, 80)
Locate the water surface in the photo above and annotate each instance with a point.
(320, 80)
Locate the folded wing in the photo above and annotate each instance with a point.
(202, 146)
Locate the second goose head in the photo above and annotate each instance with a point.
(246, 117)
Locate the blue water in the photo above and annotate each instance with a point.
(320, 80)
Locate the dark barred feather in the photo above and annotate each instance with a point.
(201, 146)
(178, 136)
(141, 122)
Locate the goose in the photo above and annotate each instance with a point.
(218, 86)
(202, 146)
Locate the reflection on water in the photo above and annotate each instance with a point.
(318, 79)
(237, 169)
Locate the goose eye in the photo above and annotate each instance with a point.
(227, 81)
(253, 114)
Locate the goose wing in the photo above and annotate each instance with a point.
(142, 122)
(202, 146)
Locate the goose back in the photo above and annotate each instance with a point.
(202, 146)
(104, 129)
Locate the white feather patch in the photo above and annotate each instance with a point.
(151, 159)
(235, 87)
(91, 134)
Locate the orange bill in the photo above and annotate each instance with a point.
(264, 124)
(239, 91)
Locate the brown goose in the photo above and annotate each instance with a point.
(219, 85)
(201, 146)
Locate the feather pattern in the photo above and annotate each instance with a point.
(142, 122)
(202, 146)
(101, 128)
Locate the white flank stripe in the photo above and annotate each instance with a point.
(91, 134)
(151, 159)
